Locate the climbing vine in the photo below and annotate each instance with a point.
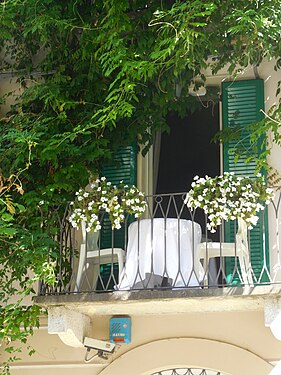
(94, 75)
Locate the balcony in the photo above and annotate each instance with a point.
(167, 255)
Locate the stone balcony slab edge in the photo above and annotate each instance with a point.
(146, 302)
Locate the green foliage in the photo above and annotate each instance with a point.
(23, 254)
(96, 75)
(109, 71)
(18, 320)
(260, 143)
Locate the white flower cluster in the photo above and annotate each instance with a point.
(104, 197)
(228, 197)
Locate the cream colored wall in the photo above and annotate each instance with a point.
(241, 330)
(271, 78)
(174, 353)
(8, 84)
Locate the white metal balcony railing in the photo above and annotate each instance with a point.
(168, 248)
(188, 371)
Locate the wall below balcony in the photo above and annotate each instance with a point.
(185, 353)
(243, 331)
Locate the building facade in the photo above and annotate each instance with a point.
(210, 323)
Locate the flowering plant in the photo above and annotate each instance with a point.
(228, 197)
(103, 196)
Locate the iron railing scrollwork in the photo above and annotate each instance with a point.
(160, 251)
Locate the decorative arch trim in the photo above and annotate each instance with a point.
(188, 353)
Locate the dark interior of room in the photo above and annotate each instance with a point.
(188, 150)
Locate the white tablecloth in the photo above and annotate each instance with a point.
(161, 247)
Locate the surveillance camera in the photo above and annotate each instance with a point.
(99, 345)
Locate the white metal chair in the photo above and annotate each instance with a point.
(90, 252)
(239, 249)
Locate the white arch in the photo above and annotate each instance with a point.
(188, 352)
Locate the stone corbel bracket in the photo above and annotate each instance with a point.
(71, 326)
(272, 316)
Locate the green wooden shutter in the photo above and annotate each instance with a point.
(242, 102)
(123, 167)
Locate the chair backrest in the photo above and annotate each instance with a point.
(91, 239)
(242, 234)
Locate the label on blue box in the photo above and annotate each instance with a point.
(120, 330)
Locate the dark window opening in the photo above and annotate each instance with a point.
(187, 151)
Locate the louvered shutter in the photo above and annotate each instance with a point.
(242, 104)
(123, 167)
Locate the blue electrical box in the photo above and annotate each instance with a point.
(120, 330)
